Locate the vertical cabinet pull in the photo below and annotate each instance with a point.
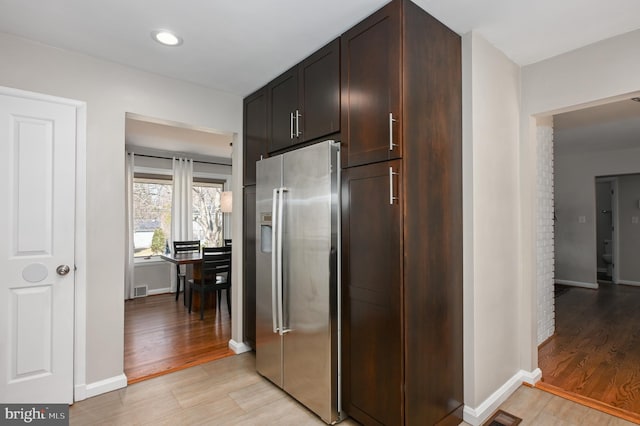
(294, 124)
(391, 121)
(298, 132)
(392, 197)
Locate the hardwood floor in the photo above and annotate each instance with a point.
(160, 336)
(595, 352)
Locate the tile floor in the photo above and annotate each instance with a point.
(230, 392)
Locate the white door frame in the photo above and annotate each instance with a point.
(80, 302)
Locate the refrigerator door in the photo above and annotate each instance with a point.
(268, 342)
(310, 247)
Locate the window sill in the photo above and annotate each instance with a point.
(147, 260)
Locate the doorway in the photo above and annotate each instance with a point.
(160, 335)
(606, 215)
(589, 345)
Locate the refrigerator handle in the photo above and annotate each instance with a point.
(274, 261)
(279, 263)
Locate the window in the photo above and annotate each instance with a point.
(152, 200)
(207, 216)
(152, 215)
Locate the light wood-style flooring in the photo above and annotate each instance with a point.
(230, 392)
(595, 353)
(160, 336)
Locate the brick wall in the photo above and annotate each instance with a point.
(544, 234)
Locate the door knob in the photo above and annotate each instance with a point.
(63, 269)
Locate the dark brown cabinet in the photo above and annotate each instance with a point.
(371, 78)
(305, 100)
(372, 293)
(249, 265)
(255, 133)
(284, 110)
(402, 233)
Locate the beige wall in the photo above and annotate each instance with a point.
(491, 87)
(110, 91)
(502, 105)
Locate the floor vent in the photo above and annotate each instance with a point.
(140, 291)
(502, 418)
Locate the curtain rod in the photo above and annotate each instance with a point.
(170, 158)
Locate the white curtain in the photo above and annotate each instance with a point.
(129, 274)
(182, 206)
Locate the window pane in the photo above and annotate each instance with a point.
(207, 217)
(152, 216)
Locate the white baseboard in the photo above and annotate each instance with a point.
(238, 348)
(160, 291)
(578, 284)
(626, 282)
(476, 416)
(97, 388)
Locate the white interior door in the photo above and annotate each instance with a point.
(37, 186)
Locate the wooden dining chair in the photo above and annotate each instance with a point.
(183, 247)
(215, 275)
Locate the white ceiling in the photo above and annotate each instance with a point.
(239, 45)
(612, 126)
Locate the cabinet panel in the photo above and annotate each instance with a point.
(255, 133)
(249, 267)
(283, 101)
(372, 295)
(370, 74)
(320, 93)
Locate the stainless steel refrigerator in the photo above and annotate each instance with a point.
(298, 275)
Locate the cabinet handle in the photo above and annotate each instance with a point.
(392, 198)
(391, 121)
(298, 132)
(291, 125)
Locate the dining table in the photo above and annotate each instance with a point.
(187, 258)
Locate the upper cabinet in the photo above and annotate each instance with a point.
(255, 133)
(304, 102)
(371, 83)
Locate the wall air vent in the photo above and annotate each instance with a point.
(140, 291)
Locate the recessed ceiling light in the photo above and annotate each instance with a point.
(166, 38)
(635, 99)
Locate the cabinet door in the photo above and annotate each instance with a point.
(320, 93)
(255, 133)
(371, 63)
(283, 99)
(249, 271)
(372, 294)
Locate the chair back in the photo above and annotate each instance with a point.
(186, 246)
(215, 261)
